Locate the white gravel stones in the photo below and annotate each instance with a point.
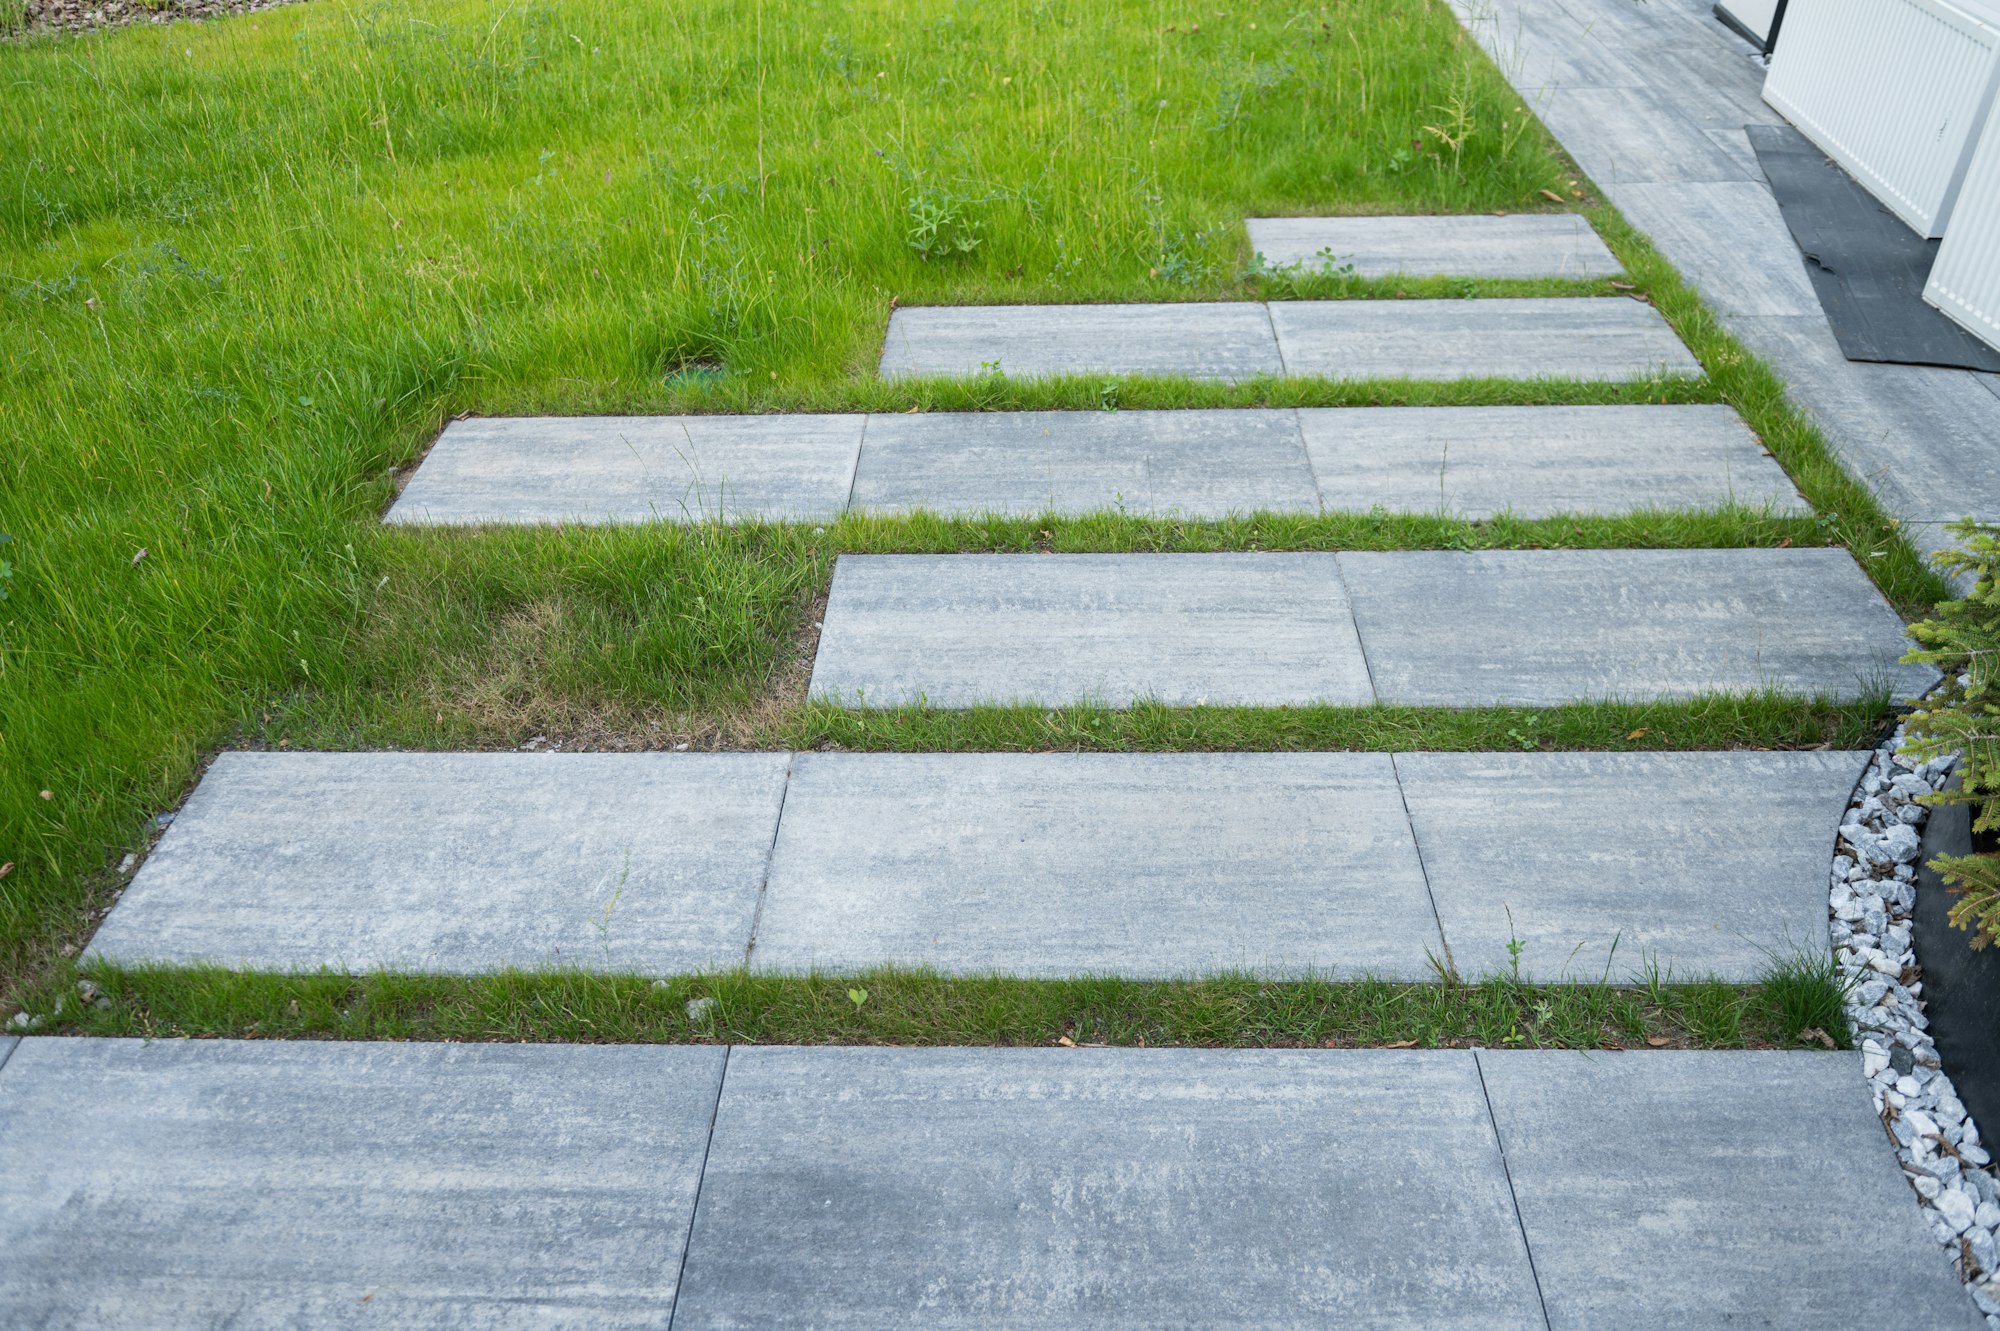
(1873, 890)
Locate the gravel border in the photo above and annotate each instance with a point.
(79, 16)
(1873, 892)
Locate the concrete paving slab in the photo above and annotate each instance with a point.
(1580, 338)
(1540, 47)
(310, 1184)
(1737, 278)
(357, 861)
(1187, 629)
(1675, 1189)
(1198, 464)
(948, 1189)
(1534, 462)
(1524, 245)
(634, 469)
(1623, 135)
(7, 1043)
(1923, 437)
(1228, 341)
(1542, 627)
(1142, 865)
(1601, 863)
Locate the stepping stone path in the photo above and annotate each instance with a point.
(1470, 462)
(1423, 628)
(410, 1185)
(1052, 864)
(1526, 245)
(1590, 339)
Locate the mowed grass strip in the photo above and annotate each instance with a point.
(1799, 1001)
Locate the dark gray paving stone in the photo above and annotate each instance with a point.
(1540, 47)
(1202, 464)
(1478, 462)
(1923, 437)
(1524, 245)
(960, 630)
(1667, 1190)
(1735, 246)
(1141, 865)
(1543, 627)
(1580, 338)
(1227, 341)
(634, 469)
(1029, 1188)
(1603, 863)
(309, 1184)
(359, 861)
(1623, 135)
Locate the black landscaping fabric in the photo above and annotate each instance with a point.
(1868, 267)
(1961, 984)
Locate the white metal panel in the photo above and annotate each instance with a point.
(1965, 280)
(1893, 90)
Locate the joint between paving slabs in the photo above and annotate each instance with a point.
(1353, 620)
(1450, 967)
(1284, 371)
(7, 1049)
(1319, 495)
(1507, 1172)
(854, 476)
(701, 1176)
(770, 853)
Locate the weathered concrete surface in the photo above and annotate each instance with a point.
(634, 469)
(960, 630)
(1602, 863)
(1229, 341)
(1745, 280)
(1142, 865)
(1666, 1190)
(1197, 464)
(457, 862)
(950, 1189)
(1582, 338)
(1525, 245)
(1543, 627)
(308, 1184)
(1533, 462)
(1635, 135)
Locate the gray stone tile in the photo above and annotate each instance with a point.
(1478, 462)
(1199, 464)
(949, 1189)
(1542, 627)
(1623, 135)
(1924, 437)
(358, 861)
(1148, 865)
(1227, 341)
(1523, 245)
(1729, 240)
(1540, 48)
(634, 469)
(1716, 84)
(1186, 629)
(306, 1184)
(1604, 862)
(1580, 338)
(7, 1043)
(1667, 1190)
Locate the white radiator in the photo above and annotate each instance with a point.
(1965, 280)
(1893, 90)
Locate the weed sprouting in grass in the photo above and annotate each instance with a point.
(1806, 992)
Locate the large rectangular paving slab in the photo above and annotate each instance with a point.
(1186, 629)
(1197, 464)
(1623, 135)
(1544, 627)
(1591, 338)
(1668, 1190)
(457, 863)
(1739, 277)
(634, 469)
(1227, 341)
(307, 1184)
(1536, 462)
(951, 1189)
(1142, 865)
(1526, 245)
(1605, 863)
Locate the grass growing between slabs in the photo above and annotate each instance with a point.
(248, 267)
(1798, 1002)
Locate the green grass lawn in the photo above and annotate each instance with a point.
(247, 268)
